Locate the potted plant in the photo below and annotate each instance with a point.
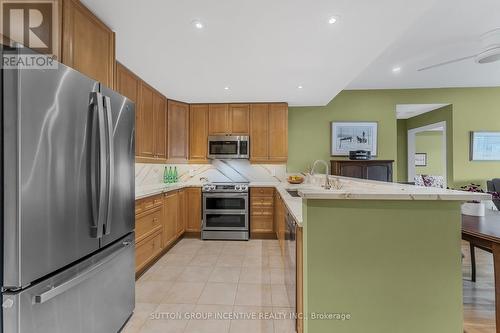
(473, 208)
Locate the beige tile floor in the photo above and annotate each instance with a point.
(204, 278)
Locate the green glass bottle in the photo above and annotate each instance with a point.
(176, 175)
(165, 175)
(170, 175)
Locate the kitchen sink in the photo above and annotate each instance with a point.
(294, 193)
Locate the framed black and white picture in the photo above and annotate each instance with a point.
(485, 146)
(420, 159)
(348, 136)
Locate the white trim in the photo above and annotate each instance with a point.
(411, 148)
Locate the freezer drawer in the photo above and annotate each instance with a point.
(95, 296)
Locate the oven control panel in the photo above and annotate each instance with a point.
(225, 187)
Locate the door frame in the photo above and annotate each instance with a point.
(412, 150)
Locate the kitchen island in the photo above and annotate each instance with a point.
(382, 257)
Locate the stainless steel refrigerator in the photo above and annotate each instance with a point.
(67, 176)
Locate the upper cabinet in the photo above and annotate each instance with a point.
(88, 45)
(178, 131)
(150, 117)
(228, 119)
(239, 119)
(198, 133)
(269, 133)
(218, 119)
(278, 132)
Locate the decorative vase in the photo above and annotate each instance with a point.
(473, 208)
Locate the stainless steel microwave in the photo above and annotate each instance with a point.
(228, 147)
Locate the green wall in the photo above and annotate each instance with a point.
(430, 143)
(472, 109)
(401, 274)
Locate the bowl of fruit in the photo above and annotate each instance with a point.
(295, 179)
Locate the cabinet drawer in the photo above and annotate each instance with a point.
(147, 223)
(145, 204)
(262, 211)
(262, 201)
(262, 191)
(147, 250)
(261, 224)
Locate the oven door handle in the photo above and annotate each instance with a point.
(226, 195)
(225, 211)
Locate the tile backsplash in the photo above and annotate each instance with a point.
(217, 171)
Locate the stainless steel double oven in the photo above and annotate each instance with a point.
(225, 211)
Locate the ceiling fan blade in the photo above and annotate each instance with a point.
(446, 63)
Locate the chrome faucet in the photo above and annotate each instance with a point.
(327, 182)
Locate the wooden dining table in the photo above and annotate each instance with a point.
(484, 233)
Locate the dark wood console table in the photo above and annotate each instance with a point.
(368, 169)
(484, 233)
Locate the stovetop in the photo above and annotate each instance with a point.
(225, 187)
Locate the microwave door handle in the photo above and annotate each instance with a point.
(110, 164)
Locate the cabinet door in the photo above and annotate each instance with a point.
(239, 119)
(381, 172)
(171, 213)
(88, 45)
(181, 219)
(278, 132)
(127, 84)
(218, 119)
(193, 209)
(259, 132)
(160, 126)
(198, 133)
(145, 145)
(177, 131)
(352, 170)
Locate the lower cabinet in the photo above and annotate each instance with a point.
(160, 220)
(193, 203)
(261, 210)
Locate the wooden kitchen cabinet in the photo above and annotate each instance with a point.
(278, 132)
(145, 140)
(160, 127)
(229, 119)
(127, 83)
(198, 133)
(193, 200)
(239, 121)
(261, 211)
(170, 216)
(259, 132)
(178, 131)
(218, 119)
(88, 45)
(269, 133)
(182, 214)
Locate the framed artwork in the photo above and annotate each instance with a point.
(347, 136)
(485, 146)
(420, 159)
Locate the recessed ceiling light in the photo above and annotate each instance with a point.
(396, 69)
(332, 20)
(300, 87)
(226, 88)
(198, 24)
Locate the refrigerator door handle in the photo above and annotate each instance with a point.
(110, 164)
(72, 282)
(98, 168)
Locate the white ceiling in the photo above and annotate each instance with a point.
(405, 111)
(263, 50)
(448, 31)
